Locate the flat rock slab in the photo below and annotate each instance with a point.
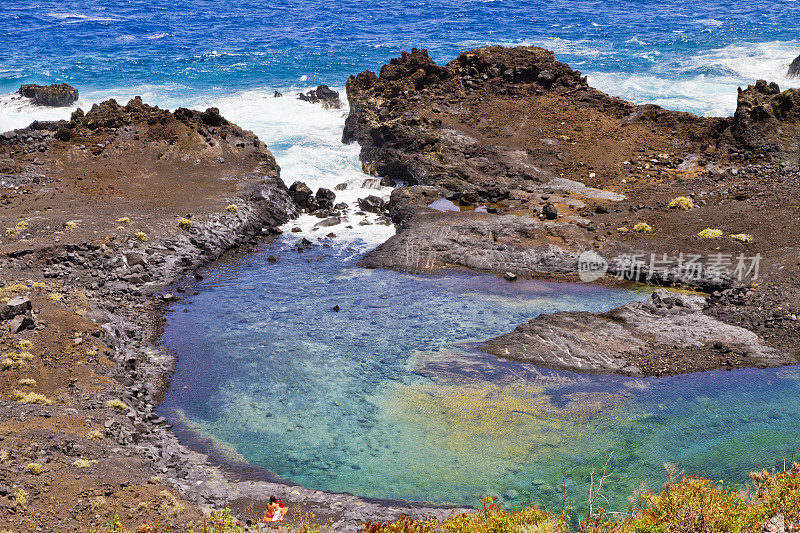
(627, 339)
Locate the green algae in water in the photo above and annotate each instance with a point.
(388, 398)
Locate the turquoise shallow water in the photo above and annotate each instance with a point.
(388, 397)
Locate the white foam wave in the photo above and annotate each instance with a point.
(306, 141)
(747, 62)
(17, 112)
(713, 94)
(72, 18)
(701, 95)
(581, 47)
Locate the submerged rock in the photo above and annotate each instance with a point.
(615, 341)
(61, 95)
(324, 95)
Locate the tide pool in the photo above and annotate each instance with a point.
(389, 398)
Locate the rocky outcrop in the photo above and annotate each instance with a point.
(623, 339)
(535, 168)
(61, 95)
(766, 120)
(794, 68)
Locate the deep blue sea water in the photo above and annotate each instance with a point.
(384, 398)
(683, 54)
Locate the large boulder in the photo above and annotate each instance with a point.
(325, 198)
(763, 117)
(61, 95)
(19, 305)
(302, 195)
(372, 204)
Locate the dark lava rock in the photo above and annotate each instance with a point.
(277, 95)
(19, 305)
(336, 308)
(272, 259)
(794, 68)
(325, 198)
(324, 95)
(61, 95)
(302, 195)
(21, 323)
(762, 114)
(510, 276)
(372, 204)
(549, 211)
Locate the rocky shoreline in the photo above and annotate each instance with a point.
(514, 164)
(87, 355)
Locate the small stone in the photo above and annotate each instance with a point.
(510, 276)
(549, 211)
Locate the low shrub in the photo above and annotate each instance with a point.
(34, 469)
(84, 463)
(20, 498)
(30, 397)
(742, 237)
(94, 434)
(185, 224)
(140, 236)
(116, 404)
(642, 227)
(124, 220)
(233, 208)
(709, 233)
(681, 202)
(170, 506)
